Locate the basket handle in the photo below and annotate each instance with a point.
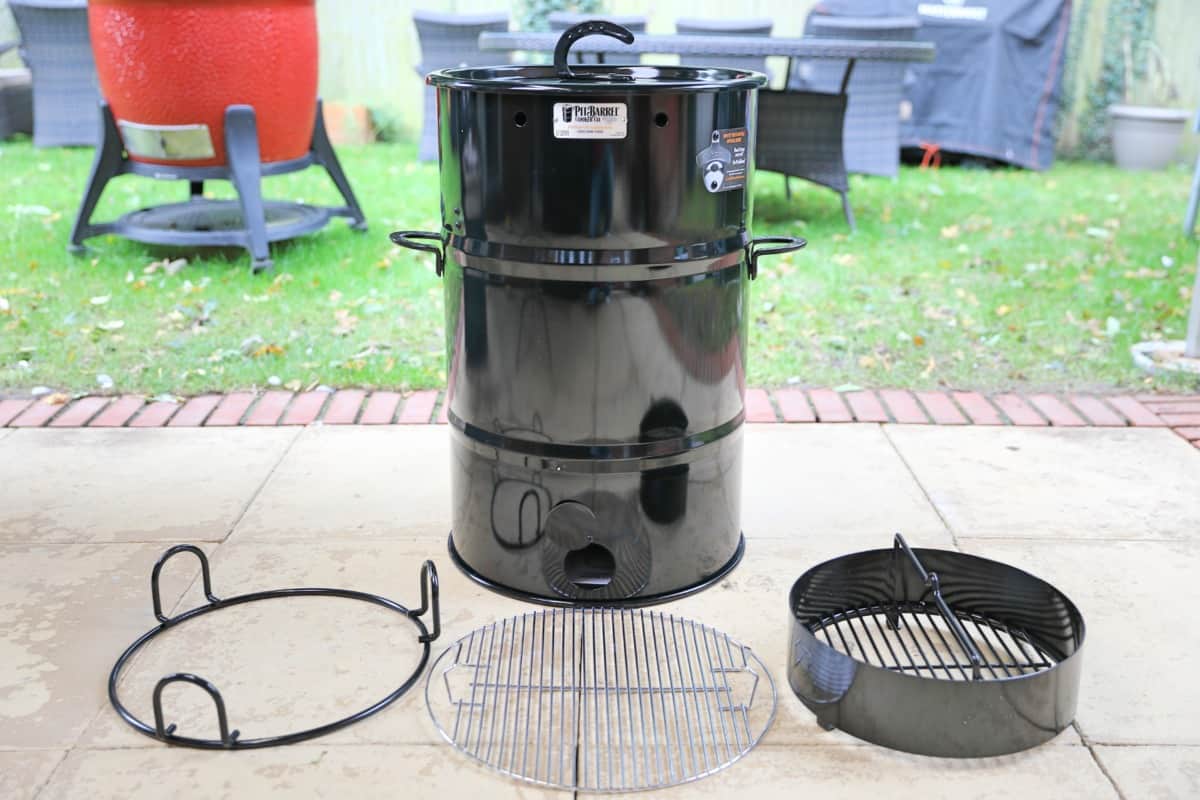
(576, 32)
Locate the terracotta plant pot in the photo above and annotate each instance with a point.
(169, 68)
(1146, 137)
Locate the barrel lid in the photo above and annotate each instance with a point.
(593, 79)
(565, 78)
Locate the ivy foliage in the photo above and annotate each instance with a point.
(1129, 21)
(534, 15)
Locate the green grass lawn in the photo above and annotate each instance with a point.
(962, 278)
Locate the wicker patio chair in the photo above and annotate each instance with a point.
(800, 135)
(56, 47)
(450, 40)
(876, 89)
(728, 27)
(561, 20)
(16, 98)
(16, 102)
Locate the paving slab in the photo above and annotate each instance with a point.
(1095, 483)
(78, 485)
(66, 613)
(290, 664)
(1153, 773)
(361, 482)
(24, 772)
(832, 480)
(306, 770)
(870, 773)
(1138, 599)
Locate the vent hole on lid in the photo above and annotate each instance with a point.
(661, 119)
(590, 567)
(519, 119)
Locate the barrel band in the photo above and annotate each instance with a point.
(572, 256)
(592, 457)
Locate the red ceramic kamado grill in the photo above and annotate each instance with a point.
(198, 90)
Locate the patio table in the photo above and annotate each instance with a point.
(695, 45)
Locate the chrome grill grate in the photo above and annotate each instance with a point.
(601, 699)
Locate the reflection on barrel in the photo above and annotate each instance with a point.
(663, 491)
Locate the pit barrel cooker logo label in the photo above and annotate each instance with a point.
(723, 163)
(589, 121)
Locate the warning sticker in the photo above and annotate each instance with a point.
(723, 163)
(589, 120)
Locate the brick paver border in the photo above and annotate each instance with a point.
(1181, 413)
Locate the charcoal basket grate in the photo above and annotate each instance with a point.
(914, 638)
(601, 699)
(935, 652)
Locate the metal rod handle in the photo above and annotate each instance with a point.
(166, 732)
(408, 239)
(931, 580)
(429, 600)
(755, 249)
(163, 559)
(576, 32)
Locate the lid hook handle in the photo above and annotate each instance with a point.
(576, 32)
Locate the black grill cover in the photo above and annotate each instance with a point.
(993, 89)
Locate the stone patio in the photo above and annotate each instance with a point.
(1109, 515)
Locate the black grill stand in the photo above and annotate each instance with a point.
(248, 222)
(231, 739)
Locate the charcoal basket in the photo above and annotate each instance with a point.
(935, 652)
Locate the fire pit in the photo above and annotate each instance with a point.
(198, 90)
(596, 252)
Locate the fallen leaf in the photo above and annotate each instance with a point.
(1002, 310)
(346, 322)
(56, 399)
(950, 232)
(1146, 272)
(266, 350)
(918, 340)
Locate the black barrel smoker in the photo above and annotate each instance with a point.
(596, 252)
